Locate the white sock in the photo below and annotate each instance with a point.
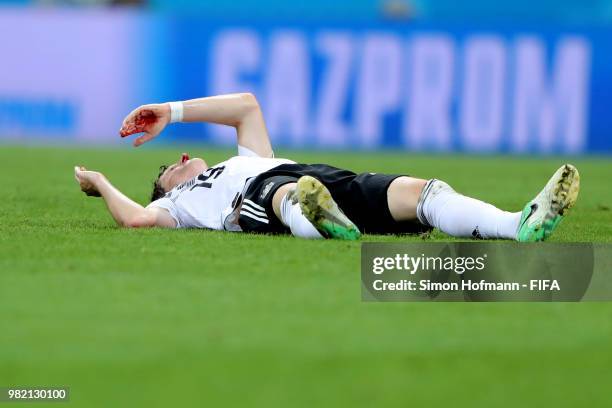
(442, 207)
(292, 217)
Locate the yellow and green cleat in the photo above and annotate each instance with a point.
(543, 214)
(321, 210)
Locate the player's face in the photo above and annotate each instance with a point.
(182, 171)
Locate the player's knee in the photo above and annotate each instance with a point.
(408, 186)
(434, 187)
(403, 196)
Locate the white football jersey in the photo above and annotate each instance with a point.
(206, 200)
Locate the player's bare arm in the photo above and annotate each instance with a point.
(241, 111)
(124, 211)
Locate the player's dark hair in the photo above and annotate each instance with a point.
(158, 190)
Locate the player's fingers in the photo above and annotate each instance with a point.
(132, 130)
(78, 171)
(142, 120)
(128, 127)
(143, 139)
(126, 131)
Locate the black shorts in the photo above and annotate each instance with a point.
(362, 197)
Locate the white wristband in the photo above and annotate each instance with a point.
(176, 112)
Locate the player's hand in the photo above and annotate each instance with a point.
(87, 180)
(147, 119)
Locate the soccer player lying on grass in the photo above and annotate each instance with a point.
(255, 192)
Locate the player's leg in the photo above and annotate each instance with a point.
(290, 213)
(436, 204)
(403, 196)
(384, 203)
(286, 199)
(259, 206)
(309, 211)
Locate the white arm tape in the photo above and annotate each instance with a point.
(176, 112)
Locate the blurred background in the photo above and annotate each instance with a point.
(528, 77)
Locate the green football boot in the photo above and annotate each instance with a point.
(541, 215)
(321, 210)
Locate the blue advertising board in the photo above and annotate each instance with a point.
(535, 90)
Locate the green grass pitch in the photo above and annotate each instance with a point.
(170, 318)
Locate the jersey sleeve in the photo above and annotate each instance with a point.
(169, 206)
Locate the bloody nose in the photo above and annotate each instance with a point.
(184, 158)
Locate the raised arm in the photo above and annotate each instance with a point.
(125, 212)
(241, 111)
